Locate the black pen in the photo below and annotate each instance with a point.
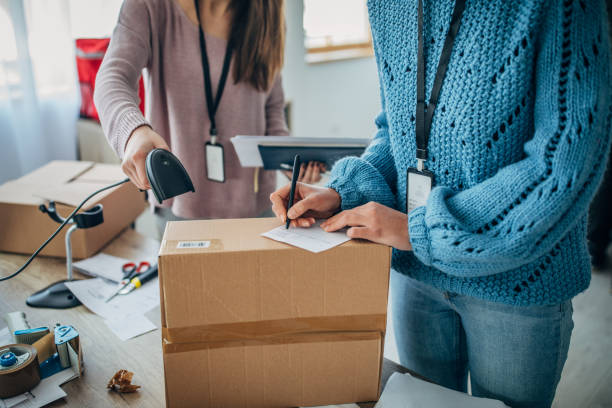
(294, 179)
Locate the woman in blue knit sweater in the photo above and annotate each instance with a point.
(484, 271)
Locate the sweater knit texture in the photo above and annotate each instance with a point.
(518, 144)
(155, 38)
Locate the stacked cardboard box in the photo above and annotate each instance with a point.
(25, 227)
(251, 322)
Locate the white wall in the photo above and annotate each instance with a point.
(332, 99)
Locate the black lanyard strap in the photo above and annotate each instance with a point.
(210, 104)
(424, 116)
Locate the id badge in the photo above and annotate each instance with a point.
(418, 187)
(215, 163)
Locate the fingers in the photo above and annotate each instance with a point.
(316, 172)
(308, 172)
(359, 233)
(303, 222)
(302, 170)
(351, 218)
(302, 206)
(279, 202)
(141, 174)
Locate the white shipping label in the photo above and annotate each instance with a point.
(193, 244)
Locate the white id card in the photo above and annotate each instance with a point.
(418, 187)
(215, 163)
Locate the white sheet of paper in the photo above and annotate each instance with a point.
(5, 337)
(126, 328)
(313, 239)
(248, 152)
(47, 391)
(406, 391)
(103, 266)
(94, 292)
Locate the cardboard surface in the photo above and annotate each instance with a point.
(274, 376)
(24, 227)
(248, 321)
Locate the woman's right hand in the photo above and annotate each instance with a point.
(310, 202)
(142, 140)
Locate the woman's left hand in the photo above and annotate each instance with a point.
(310, 173)
(374, 222)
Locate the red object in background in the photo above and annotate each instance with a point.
(89, 55)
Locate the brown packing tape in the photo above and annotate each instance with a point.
(266, 329)
(169, 347)
(45, 347)
(22, 378)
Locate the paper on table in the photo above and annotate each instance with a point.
(47, 391)
(405, 391)
(128, 327)
(313, 239)
(103, 266)
(5, 337)
(94, 292)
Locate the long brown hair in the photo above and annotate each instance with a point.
(258, 36)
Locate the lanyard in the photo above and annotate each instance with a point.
(424, 115)
(210, 104)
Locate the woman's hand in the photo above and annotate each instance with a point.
(374, 222)
(310, 172)
(142, 140)
(310, 202)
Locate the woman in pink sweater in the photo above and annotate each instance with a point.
(185, 55)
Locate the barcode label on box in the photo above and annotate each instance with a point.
(193, 244)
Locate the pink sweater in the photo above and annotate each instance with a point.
(157, 36)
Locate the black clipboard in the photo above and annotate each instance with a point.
(281, 157)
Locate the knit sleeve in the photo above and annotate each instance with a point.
(522, 212)
(116, 90)
(371, 177)
(275, 110)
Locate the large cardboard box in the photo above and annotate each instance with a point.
(251, 322)
(23, 227)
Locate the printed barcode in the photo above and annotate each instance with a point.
(193, 244)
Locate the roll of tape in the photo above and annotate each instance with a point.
(19, 369)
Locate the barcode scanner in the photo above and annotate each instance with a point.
(167, 176)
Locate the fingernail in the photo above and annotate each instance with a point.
(291, 214)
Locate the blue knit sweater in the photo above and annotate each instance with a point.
(518, 145)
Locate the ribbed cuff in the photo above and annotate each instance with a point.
(419, 235)
(348, 191)
(128, 121)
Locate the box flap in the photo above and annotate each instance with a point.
(56, 172)
(102, 173)
(14, 192)
(75, 192)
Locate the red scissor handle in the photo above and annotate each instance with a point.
(143, 266)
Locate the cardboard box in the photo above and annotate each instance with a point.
(251, 322)
(24, 227)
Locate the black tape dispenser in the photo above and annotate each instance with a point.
(166, 174)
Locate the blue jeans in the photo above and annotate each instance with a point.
(513, 353)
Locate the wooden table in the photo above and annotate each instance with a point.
(103, 352)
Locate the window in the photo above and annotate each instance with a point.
(335, 30)
(8, 52)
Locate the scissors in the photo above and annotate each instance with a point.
(131, 271)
